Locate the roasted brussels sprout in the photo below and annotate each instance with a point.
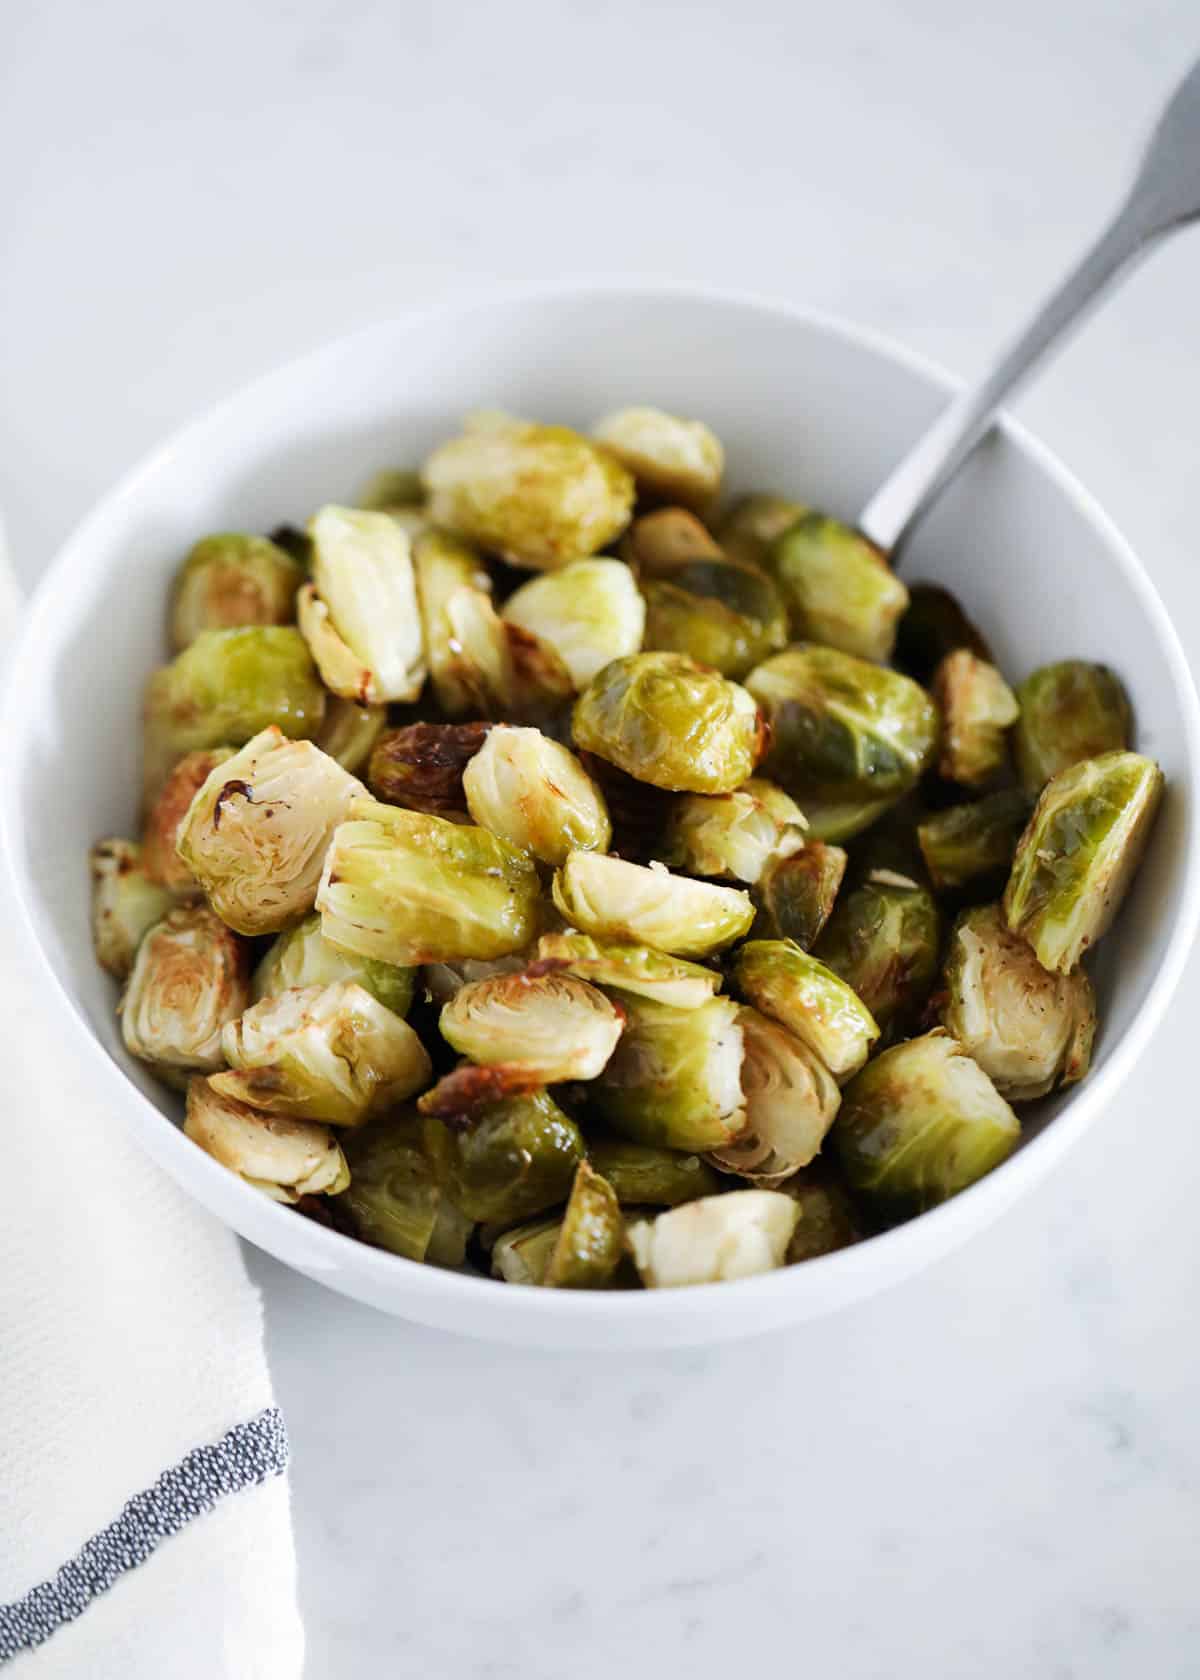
(718, 612)
(555, 1022)
(359, 614)
(591, 1239)
(392, 488)
(644, 1175)
(791, 1101)
(658, 542)
(125, 902)
(797, 891)
(538, 495)
(285, 1159)
(718, 1238)
(810, 1000)
(232, 580)
(883, 940)
(522, 1255)
(516, 1160)
(256, 833)
(828, 1220)
(536, 795)
(445, 980)
(671, 460)
(393, 1194)
(835, 823)
(753, 525)
(350, 731)
(669, 722)
(190, 978)
(920, 1123)
(644, 905)
(972, 843)
(589, 612)
(410, 888)
(933, 626)
(421, 766)
(470, 1088)
(1079, 853)
(1068, 711)
(304, 957)
(977, 708)
(735, 836)
(160, 832)
(839, 589)
(675, 1077)
(1028, 1030)
(330, 1053)
(629, 968)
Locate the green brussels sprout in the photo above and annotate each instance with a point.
(391, 488)
(393, 1194)
(591, 1239)
(522, 1255)
(638, 969)
(538, 495)
(1079, 854)
(808, 999)
(675, 1078)
(536, 795)
(164, 819)
(516, 1160)
(669, 722)
(643, 1174)
(232, 580)
(190, 978)
(797, 891)
(409, 888)
(839, 589)
(285, 1159)
(715, 1239)
(733, 835)
(350, 731)
(844, 732)
(672, 460)
(920, 1123)
(225, 688)
(828, 1220)
(304, 957)
(647, 905)
(933, 626)
(791, 1100)
(331, 1053)
(125, 903)
(753, 525)
(554, 1022)
(256, 833)
(977, 708)
(835, 822)
(590, 611)
(359, 615)
(658, 542)
(966, 844)
(1068, 711)
(883, 940)
(421, 766)
(718, 612)
(1028, 1030)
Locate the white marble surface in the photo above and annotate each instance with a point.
(994, 1470)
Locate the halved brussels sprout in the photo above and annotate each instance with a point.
(460, 1096)
(671, 459)
(227, 687)
(330, 1053)
(977, 707)
(589, 612)
(445, 980)
(933, 626)
(523, 1254)
(844, 732)
(753, 525)
(713, 1240)
(539, 495)
(590, 1243)
(718, 612)
(190, 978)
(421, 766)
(797, 892)
(658, 542)
(827, 1216)
(555, 1022)
(410, 888)
(285, 1159)
(350, 731)
(920, 1123)
(125, 903)
(638, 969)
(675, 1078)
(1079, 853)
(256, 833)
(1028, 1030)
(968, 843)
(393, 1195)
(669, 722)
(359, 615)
(883, 940)
(1069, 711)
(231, 580)
(839, 589)
(647, 905)
(164, 819)
(810, 1000)
(536, 795)
(304, 957)
(645, 1175)
(392, 488)
(733, 835)
(791, 1101)
(517, 1160)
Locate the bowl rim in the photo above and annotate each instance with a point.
(327, 1254)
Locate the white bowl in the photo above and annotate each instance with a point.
(812, 407)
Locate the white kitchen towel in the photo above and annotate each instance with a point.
(144, 1524)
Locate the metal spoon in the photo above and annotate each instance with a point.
(1164, 196)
